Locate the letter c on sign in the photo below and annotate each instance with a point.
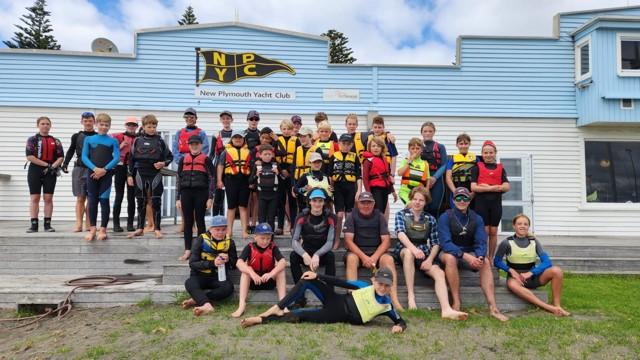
(250, 70)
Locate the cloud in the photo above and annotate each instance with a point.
(411, 32)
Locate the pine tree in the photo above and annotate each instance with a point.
(188, 18)
(339, 52)
(34, 34)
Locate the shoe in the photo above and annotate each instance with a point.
(130, 227)
(32, 229)
(48, 229)
(117, 228)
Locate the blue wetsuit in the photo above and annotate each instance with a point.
(100, 151)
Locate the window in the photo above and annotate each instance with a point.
(626, 104)
(628, 46)
(583, 59)
(518, 199)
(612, 171)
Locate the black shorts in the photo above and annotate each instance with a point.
(532, 283)
(269, 285)
(489, 210)
(344, 196)
(237, 190)
(40, 183)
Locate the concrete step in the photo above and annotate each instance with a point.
(615, 265)
(556, 251)
(25, 290)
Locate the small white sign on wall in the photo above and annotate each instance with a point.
(224, 93)
(341, 95)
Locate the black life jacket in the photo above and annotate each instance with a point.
(194, 173)
(367, 231)
(314, 236)
(267, 178)
(461, 235)
(252, 138)
(431, 153)
(80, 144)
(148, 148)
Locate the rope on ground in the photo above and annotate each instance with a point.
(65, 306)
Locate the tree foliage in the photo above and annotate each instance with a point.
(34, 34)
(339, 52)
(188, 18)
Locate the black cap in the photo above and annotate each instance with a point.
(194, 139)
(384, 275)
(345, 138)
(191, 111)
(266, 130)
(253, 114)
(226, 112)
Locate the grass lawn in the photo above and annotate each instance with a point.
(605, 324)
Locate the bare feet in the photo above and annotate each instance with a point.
(188, 303)
(138, 232)
(90, 235)
(77, 228)
(455, 306)
(250, 321)
(203, 310)
(239, 311)
(185, 256)
(102, 234)
(274, 310)
(158, 234)
(454, 315)
(148, 229)
(412, 303)
(498, 315)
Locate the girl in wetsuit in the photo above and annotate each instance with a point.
(436, 155)
(358, 307)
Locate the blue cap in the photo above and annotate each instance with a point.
(263, 229)
(317, 193)
(218, 221)
(88, 114)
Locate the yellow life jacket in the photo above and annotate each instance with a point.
(461, 170)
(416, 174)
(315, 183)
(289, 147)
(327, 149)
(367, 305)
(358, 145)
(385, 149)
(302, 161)
(344, 167)
(237, 160)
(212, 247)
(522, 257)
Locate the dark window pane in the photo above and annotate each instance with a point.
(627, 103)
(512, 166)
(612, 171)
(630, 52)
(584, 59)
(515, 191)
(508, 213)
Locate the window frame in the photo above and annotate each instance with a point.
(578, 59)
(593, 206)
(627, 108)
(620, 37)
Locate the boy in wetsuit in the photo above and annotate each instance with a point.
(100, 153)
(149, 154)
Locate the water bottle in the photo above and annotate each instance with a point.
(222, 273)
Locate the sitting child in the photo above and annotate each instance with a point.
(262, 266)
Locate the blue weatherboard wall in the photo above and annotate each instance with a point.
(503, 77)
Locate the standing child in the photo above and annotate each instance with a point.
(297, 124)
(233, 176)
(319, 118)
(262, 266)
(325, 144)
(436, 155)
(45, 154)
(460, 166)
(413, 169)
(218, 143)
(376, 175)
(285, 151)
(346, 179)
(313, 179)
(359, 138)
(264, 175)
(267, 137)
(489, 181)
(101, 154)
(213, 255)
(125, 139)
(149, 154)
(194, 190)
(390, 150)
(252, 134)
(301, 165)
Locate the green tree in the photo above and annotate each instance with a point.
(188, 18)
(339, 52)
(34, 33)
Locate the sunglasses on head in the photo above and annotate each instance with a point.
(461, 198)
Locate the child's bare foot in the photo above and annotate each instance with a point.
(185, 256)
(203, 310)
(77, 228)
(138, 232)
(455, 306)
(102, 234)
(239, 311)
(412, 303)
(498, 315)
(454, 315)
(274, 310)
(158, 234)
(250, 321)
(149, 229)
(90, 235)
(188, 303)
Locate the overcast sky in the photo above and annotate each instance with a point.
(380, 31)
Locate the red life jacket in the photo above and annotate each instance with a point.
(489, 177)
(379, 171)
(46, 148)
(261, 262)
(183, 139)
(196, 163)
(124, 152)
(434, 157)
